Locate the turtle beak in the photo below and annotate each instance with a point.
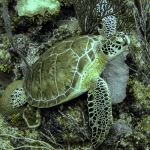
(127, 40)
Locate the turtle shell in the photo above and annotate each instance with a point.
(56, 76)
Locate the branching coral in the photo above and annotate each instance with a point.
(91, 13)
(39, 144)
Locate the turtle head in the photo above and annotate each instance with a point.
(115, 45)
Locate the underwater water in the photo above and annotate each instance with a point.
(41, 53)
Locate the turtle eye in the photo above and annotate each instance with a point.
(119, 41)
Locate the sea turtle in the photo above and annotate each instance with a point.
(71, 68)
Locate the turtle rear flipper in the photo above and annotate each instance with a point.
(100, 112)
(32, 116)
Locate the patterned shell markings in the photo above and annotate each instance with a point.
(55, 76)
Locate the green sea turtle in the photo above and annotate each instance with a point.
(69, 69)
(65, 71)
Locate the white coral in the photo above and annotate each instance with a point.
(34, 7)
(116, 75)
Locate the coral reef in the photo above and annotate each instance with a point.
(5, 58)
(119, 129)
(141, 94)
(15, 138)
(16, 120)
(5, 80)
(66, 126)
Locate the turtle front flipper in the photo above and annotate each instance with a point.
(100, 112)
